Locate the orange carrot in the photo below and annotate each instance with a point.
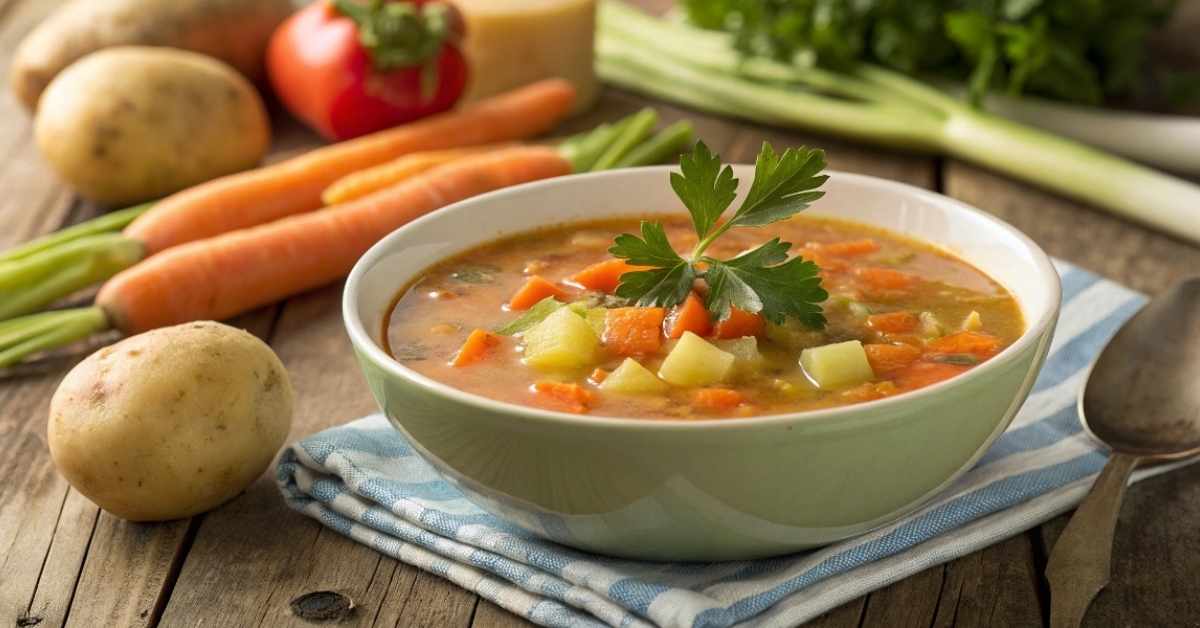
(923, 373)
(604, 276)
(887, 359)
(850, 248)
(739, 324)
(294, 186)
(971, 342)
(598, 375)
(479, 343)
(893, 322)
(691, 316)
(633, 331)
(885, 278)
(565, 397)
(717, 399)
(359, 184)
(238, 271)
(535, 289)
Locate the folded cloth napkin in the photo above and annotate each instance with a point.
(364, 480)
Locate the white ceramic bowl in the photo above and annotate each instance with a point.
(703, 489)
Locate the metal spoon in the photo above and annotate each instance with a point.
(1142, 398)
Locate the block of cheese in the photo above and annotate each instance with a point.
(510, 43)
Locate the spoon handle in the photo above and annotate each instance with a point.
(1080, 561)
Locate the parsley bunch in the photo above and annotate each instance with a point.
(1072, 50)
(763, 280)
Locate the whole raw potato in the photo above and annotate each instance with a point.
(234, 31)
(172, 422)
(130, 124)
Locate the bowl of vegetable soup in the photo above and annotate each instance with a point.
(610, 362)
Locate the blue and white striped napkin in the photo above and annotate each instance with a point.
(365, 481)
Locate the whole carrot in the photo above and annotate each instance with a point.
(359, 184)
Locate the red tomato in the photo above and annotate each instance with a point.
(325, 74)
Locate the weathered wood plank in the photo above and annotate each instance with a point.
(489, 615)
(848, 615)
(127, 568)
(395, 584)
(911, 602)
(997, 586)
(64, 561)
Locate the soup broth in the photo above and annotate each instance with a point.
(916, 313)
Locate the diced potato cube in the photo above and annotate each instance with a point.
(633, 378)
(747, 359)
(837, 365)
(593, 315)
(973, 322)
(563, 341)
(695, 362)
(931, 327)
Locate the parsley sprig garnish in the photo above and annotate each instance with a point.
(762, 280)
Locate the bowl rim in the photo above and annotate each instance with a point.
(370, 349)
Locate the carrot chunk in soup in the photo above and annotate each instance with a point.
(894, 322)
(633, 331)
(924, 373)
(886, 359)
(973, 343)
(690, 316)
(565, 397)
(604, 276)
(535, 289)
(739, 324)
(885, 278)
(479, 343)
(717, 399)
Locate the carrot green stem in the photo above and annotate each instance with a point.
(37, 280)
(23, 337)
(583, 152)
(636, 130)
(113, 221)
(666, 145)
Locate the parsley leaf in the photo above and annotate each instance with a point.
(765, 281)
(761, 280)
(705, 188)
(662, 287)
(784, 185)
(671, 277)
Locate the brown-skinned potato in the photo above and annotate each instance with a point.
(234, 31)
(172, 422)
(136, 123)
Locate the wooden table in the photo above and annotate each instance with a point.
(63, 561)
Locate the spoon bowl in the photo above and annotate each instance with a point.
(1143, 393)
(1143, 401)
